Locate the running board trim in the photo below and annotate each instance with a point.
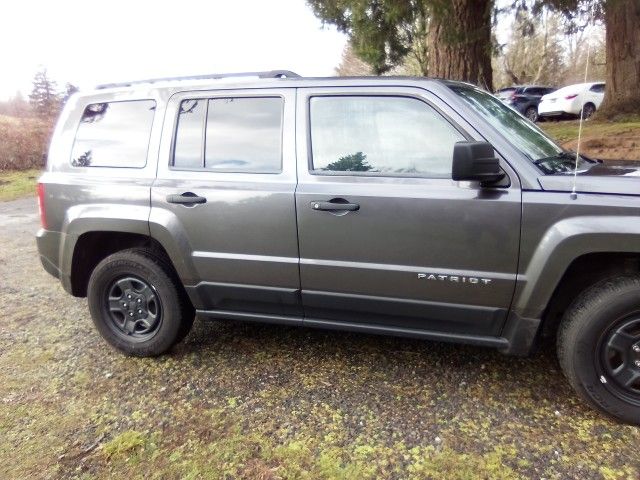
(484, 341)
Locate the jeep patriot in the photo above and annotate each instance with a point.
(403, 206)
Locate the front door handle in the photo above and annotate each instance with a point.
(336, 204)
(187, 198)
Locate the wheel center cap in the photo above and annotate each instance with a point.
(135, 304)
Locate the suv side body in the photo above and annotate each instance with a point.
(411, 254)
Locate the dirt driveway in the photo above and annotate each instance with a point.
(250, 401)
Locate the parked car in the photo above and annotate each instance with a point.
(572, 101)
(413, 207)
(524, 98)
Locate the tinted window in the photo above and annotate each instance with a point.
(114, 134)
(244, 135)
(188, 143)
(535, 91)
(598, 88)
(386, 135)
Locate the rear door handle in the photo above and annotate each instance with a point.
(334, 205)
(187, 198)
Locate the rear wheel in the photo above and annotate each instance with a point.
(532, 114)
(137, 303)
(599, 347)
(588, 110)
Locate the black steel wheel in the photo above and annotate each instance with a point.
(619, 359)
(138, 304)
(599, 346)
(134, 308)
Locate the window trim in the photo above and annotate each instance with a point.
(203, 168)
(330, 173)
(146, 157)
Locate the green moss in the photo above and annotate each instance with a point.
(125, 444)
(16, 184)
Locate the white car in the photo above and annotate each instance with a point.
(572, 100)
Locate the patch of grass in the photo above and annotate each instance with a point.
(566, 131)
(125, 444)
(16, 184)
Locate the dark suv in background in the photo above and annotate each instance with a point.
(524, 99)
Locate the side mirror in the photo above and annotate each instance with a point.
(475, 161)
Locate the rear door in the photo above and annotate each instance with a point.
(386, 238)
(223, 202)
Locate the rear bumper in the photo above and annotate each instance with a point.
(48, 243)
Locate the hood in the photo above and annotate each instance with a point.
(612, 176)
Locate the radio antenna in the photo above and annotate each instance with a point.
(574, 194)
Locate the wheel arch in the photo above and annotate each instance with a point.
(584, 272)
(92, 247)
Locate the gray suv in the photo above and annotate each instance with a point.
(403, 206)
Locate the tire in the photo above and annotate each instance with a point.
(138, 304)
(532, 114)
(599, 347)
(587, 111)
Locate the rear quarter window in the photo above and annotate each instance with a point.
(114, 134)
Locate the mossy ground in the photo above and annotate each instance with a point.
(269, 402)
(608, 140)
(17, 183)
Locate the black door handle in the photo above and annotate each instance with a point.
(187, 198)
(335, 205)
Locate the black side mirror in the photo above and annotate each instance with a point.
(475, 161)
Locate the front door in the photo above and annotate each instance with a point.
(386, 237)
(224, 200)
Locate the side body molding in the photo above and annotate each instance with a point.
(560, 245)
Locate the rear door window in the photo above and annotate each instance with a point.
(234, 134)
(114, 134)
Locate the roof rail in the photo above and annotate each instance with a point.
(211, 76)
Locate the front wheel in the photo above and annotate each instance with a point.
(599, 347)
(137, 304)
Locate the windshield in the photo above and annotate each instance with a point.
(521, 133)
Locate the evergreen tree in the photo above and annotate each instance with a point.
(44, 99)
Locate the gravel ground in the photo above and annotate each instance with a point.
(250, 401)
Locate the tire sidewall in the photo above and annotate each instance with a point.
(123, 264)
(586, 355)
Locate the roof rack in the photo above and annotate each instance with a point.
(211, 76)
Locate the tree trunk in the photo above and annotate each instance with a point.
(622, 91)
(460, 41)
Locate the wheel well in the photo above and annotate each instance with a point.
(584, 272)
(92, 247)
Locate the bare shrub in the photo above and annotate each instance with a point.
(23, 142)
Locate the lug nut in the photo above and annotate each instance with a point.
(139, 300)
(124, 305)
(637, 362)
(129, 296)
(139, 311)
(636, 348)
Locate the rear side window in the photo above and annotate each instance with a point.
(598, 88)
(114, 134)
(239, 134)
(381, 135)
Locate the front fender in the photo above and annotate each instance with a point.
(561, 244)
